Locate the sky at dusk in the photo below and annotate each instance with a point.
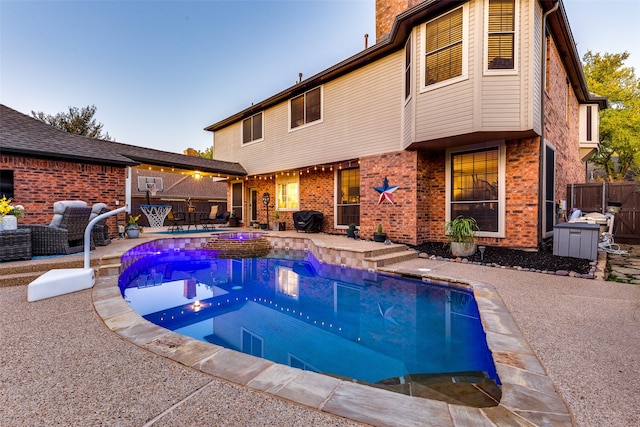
(160, 71)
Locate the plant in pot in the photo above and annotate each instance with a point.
(278, 225)
(351, 231)
(133, 229)
(379, 236)
(461, 232)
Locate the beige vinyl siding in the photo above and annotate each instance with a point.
(501, 103)
(407, 124)
(483, 102)
(361, 115)
(448, 110)
(506, 99)
(535, 34)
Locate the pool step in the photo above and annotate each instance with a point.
(24, 272)
(390, 256)
(109, 266)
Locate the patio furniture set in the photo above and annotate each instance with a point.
(207, 220)
(63, 236)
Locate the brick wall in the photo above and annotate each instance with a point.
(562, 129)
(316, 193)
(521, 195)
(38, 183)
(398, 220)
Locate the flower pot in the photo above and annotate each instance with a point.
(279, 226)
(264, 226)
(9, 222)
(462, 249)
(234, 222)
(379, 237)
(351, 233)
(133, 233)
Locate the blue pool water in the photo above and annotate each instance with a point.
(293, 310)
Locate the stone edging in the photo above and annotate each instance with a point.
(528, 395)
(597, 270)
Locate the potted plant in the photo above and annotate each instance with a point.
(461, 232)
(379, 236)
(9, 214)
(133, 229)
(351, 231)
(278, 225)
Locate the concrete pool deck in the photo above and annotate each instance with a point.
(60, 364)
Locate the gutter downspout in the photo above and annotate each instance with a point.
(543, 76)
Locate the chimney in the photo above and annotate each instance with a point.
(366, 41)
(386, 12)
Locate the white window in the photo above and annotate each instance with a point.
(287, 284)
(252, 343)
(475, 187)
(501, 40)
(348, 197)
(252, 129)
(288, 193)
(407, 69)
(445, 49)
(305, 108)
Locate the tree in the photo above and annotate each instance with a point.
(207, 153)
(79, 121)
(619, 151)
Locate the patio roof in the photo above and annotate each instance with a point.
(27, 136)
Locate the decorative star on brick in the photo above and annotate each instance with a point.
(386, 191)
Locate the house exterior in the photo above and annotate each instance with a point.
(447, 106)
(40, 165)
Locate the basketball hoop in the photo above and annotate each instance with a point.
(153, 189)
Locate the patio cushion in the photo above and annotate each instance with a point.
(59, 208)
(96, 209)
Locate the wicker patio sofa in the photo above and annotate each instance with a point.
(65, 234)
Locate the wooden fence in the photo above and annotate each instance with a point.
(595, 197)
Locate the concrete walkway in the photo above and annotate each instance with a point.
(61, 365)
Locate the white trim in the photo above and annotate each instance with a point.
(516, 42)
(411, 67)
(502, 164)
(320, 120)
(465, 52)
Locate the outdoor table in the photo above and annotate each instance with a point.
(15, 244)
(193, 218)
(155, 214)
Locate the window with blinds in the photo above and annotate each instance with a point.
(444, 47)
(475, 187)
(501, 29)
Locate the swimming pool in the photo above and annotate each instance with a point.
(289, 308)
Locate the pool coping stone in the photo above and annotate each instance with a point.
(528, 395)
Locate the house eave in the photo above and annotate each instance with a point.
(394, 41)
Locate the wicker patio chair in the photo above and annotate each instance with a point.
(67, 238)
(100, 231)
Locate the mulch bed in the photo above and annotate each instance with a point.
(541, 261)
